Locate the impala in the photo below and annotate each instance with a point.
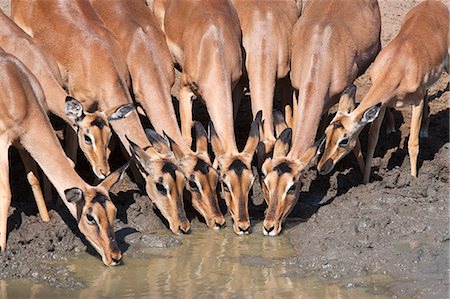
(24, 123)
(333, 42)
(204, 39)
(401, 75)
(152, 72)
(92, 65)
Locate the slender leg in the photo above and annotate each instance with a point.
(359, 157)
(5, 192)
(413, 142)
(294, 111)
(372, 143)
(288, 115)
(390, 121)
(186, 113)
(425, 118)
(32, 177)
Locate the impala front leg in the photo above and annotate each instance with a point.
(413, 142)
(186, 95)
(359, 156)
(372, 143)
(5, 192)
(32, 177)
(425, 117)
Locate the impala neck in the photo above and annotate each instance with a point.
(154, 95)
(381, 91)
(41, 142)
(311, 103)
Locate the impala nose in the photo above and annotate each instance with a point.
(116, 257)
(218, 225)
(269, 229)
(185, 229)
(326, 167)
(244, 230)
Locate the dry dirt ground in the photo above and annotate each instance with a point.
(341, 229)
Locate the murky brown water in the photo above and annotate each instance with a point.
(208, 264)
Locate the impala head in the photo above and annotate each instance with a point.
(280, 178)
(96, 215)
(342, 133)
(164, 182)
(201, 179)
(236, 176)
(94, 132)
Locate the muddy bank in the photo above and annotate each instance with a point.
(33, 246)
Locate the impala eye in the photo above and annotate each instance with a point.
(161, 188)
(343, 142)
(225, 187)
(87, 139)
(292, 189)
(193, 185)
(90, 219)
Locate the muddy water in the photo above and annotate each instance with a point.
(208, 264)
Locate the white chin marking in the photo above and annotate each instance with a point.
(265, 232)
(273, 233)
(216, 227)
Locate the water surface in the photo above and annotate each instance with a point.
(208, 264)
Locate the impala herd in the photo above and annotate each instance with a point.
(92, 62)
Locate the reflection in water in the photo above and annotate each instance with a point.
(208, 264)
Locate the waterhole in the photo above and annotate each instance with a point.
(207, 264)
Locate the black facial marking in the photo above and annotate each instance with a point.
(238, 166)
(98, 122)
(100, 198)
(282, 168)
(170, 168)
(202, 166)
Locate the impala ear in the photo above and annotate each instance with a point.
(201, 137)
(347, 100)
(120, 112)
(159, 143)
(283, 144)
(74, 110)
(215, 141)
(371, 114)
(114, 177)
(253, 138)
(174, 147)
(139, 155)
(310, 156)
(74, 195)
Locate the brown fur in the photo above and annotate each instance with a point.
(266, 37)
(24, 123)
(204, 39)
(43, 65)
(151, 68)
(401, 74)
(331, 46)
(90, 59)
